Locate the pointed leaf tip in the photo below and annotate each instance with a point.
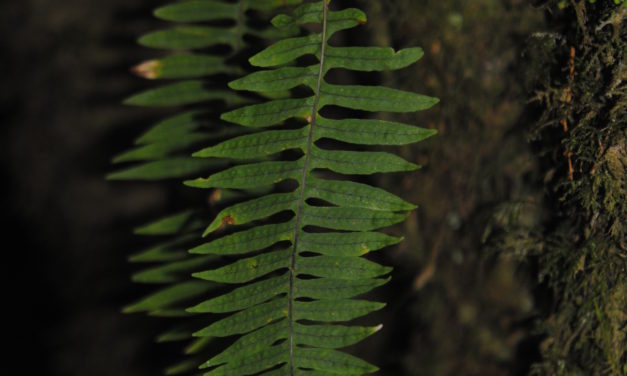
(196, 183)
(150, 69)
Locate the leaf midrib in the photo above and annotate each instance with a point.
(301, 195)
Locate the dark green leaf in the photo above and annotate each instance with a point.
(197, 10)
(248, 269)
(182, 93)
(370, 132)
(247, 320)
(249, 240)
(250, 175)
(350, 219)
(166, 169)
(188, 37)
(170, 296)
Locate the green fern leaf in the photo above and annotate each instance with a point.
(189, 37)
(174, 127)
(173, 271)
(183, 66)
(195, 11)
(172, 168)
(248, 241)
(182, 93)
(299, 268)
(172, 250)
(169, 297)
(172, 224)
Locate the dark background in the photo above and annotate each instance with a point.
(453, 309)
(64, 74)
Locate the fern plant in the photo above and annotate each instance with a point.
(291, 258)
(294, 257)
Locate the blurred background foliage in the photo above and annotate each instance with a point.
(508, 266)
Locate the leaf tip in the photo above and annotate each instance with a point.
(413, 167)
(260, 60)
(193, 309)
(162, 13)
(196, 183)
(196, 250)
(362, 18)
(434, 101)
(431, 132)
(116, 175)
(132, 101)
(228, 116)
(418, 51)
(199, 333)
(124, 157)
(235, 84)
(127, 101)
(200, 153)
(410, 206)
(129, 309)
(150, 69)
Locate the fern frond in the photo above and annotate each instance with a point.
(191, 74)
(300, 263)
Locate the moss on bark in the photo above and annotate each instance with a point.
(580, 138)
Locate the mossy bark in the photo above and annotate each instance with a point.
(581, 142)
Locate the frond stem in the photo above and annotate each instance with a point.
(301, 195)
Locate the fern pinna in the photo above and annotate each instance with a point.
(298, 250)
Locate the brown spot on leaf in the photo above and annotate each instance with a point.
(227, 220)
